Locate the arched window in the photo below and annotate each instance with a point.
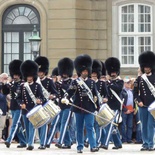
(17, 27)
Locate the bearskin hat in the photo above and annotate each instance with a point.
(83, 62)
(112, 64)
(147, 59)
(65, 66)
(29, 68)
(14, 67)
(55, 72)
(103, 68)
(43, 64)
(97, 67)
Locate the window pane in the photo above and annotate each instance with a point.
(131, 50)
(141, 27)
(124, 40)
(124, 18)
(131, 18)
(27, 48)
(124, 27)
(15, 56)
(124, 9)
(147, 28)
(7, 48)
(131, 60)
(7, 58)
(15, 36)
(147, 48)
(131, 9)
(130, 41)
(147, 9)
(147, 18)
(147, 41)
(141, 18)
(141, 41)
(131, 28)
(21, 11)
(124, 59)
(124, 50)
(140, 9)
(27, 56)
(8, 37)
(15, 48)
(15, 12)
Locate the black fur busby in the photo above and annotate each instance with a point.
(14, 67)
(65, 66)
(55, 72)
(29, 68)
(112, 64)
(147, 59)
(97, 68)
(83, 62)
(103, 69)
(43, 64)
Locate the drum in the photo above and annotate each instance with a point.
(105, 115)
(151, 109)
(52, 109)
(38, 116)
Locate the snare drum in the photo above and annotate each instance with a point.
(105, 115)
(52, 109)
(151, 109)
(38, 116)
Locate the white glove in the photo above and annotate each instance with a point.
(65, 101)
(95, 113)
(1, 112)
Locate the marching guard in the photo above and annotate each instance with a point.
(144, 96)
(15, 93)
(32, 96)
(114, 88)
(65, 71)
(49, 92)
(83, 90)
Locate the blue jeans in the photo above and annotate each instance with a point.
(30, 131)
(147, 127)
(72, 128)
(127, 127)
(138, 127)
(16, 128)
(87, 120)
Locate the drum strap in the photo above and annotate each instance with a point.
(85, 87)
(149, 84)
(26, 85)
(45, 92)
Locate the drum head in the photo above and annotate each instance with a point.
(32, 111)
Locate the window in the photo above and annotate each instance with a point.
(135, 32)
(18, 23)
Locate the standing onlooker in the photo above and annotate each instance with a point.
(128, 111)
(144, 96)
(3, 104)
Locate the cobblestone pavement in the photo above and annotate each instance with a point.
(126, 150)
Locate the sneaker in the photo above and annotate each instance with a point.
(21, 146)
(7, 144)
(30, 148)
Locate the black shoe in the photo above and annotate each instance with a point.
(130, 142)
(140, 142)
(86, 144)
(151, 149)
(66, 147)
(117, 147)
(47, 146)
(79, 151)
(104, 147)
(7, 144)
(58, 145)
(42, 147)
(21, 146)
(30, 148)
(94, 149)
(144, 149)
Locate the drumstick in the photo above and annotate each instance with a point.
(93, 114)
